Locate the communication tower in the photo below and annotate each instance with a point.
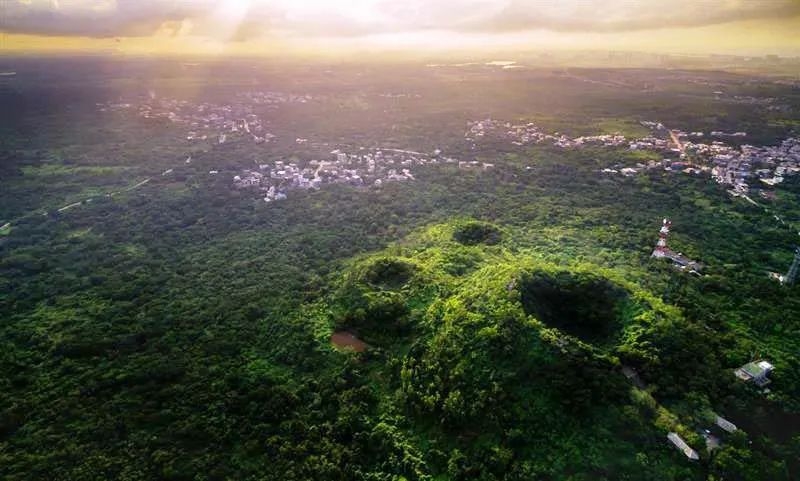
(661, 246)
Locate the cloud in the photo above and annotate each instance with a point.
(96, 18)
(246, 19)
(622, 15)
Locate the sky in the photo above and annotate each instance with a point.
(745, 27)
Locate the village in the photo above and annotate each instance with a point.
(211, 122)
(368, 167)
(744, 168)
(529, 133)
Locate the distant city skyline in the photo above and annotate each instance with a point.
(294, 27)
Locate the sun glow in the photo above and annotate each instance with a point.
(254, 27)
(229, 16)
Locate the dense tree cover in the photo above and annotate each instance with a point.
(584, 306)
(128, 327)
(471, 233)
(476, 368)
(181, 331)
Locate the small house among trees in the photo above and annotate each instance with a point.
(679, 443)
(756, 372)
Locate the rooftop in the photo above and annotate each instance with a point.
(756, 371)
(679, 443)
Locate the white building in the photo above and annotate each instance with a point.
(679, 443)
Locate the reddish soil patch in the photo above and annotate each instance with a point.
(346, 340)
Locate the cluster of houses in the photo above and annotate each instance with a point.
(211, 122)
(769, 103)
(221, 123)
(745, 166)
(369, 167)
(272, 98)
(755, 372)
(390, 95)
(737, 166)
(715, 427)
(527, 134)
(713, 435)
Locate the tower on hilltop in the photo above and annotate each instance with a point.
(661, 245)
